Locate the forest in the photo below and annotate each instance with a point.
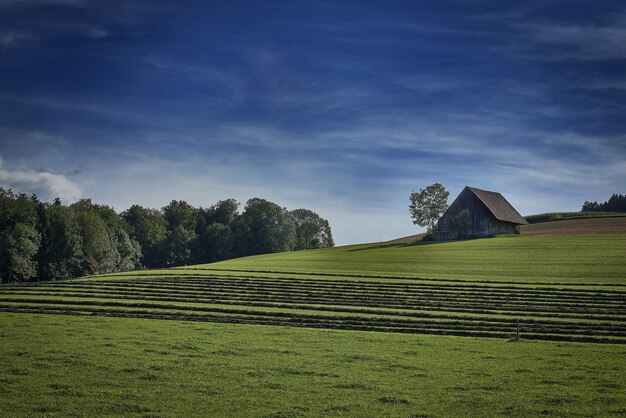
(42, 241)
(616, 203)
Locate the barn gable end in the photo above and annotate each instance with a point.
(490, 214)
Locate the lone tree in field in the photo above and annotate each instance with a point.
(428, 205)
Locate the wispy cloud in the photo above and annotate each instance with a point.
(344, 112)
(14, 39)
(45, 184)
(578, 42)
(92, 31)
(553, 39)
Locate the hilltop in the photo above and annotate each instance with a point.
(614, 225)
(391, 329)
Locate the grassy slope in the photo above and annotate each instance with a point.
(75, 366)
(62, 365)
(599, 260)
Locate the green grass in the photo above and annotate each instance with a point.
(548, 312)
(76, 366)
(365, 330)
(568, 260)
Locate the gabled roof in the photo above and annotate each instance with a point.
(498, 206)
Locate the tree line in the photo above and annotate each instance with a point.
(50, 241)
(616, 203)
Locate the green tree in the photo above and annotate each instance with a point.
(100, 254)
(427, 205)
(61, 253)
(267, 228)
(18, 248)
(224, 212)
(216, 242)
(181, 236)
(127, 250)
(311, 230)
(215, 237)
(149, 228)
(19, 236)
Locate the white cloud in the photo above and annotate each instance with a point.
(581, 42)
(46, 185)
(556, 41)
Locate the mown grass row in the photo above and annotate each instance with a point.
(455, 327)
(201, 281)
(498, 316)
(289, 274)
(614, 310)
(550, 298)
(549, 313)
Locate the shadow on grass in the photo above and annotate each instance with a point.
(402, 245)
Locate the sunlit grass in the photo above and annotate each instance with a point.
(66, 365)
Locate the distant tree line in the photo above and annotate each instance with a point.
(49, 241)
(616, 203)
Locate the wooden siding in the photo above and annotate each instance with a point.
(484, 223)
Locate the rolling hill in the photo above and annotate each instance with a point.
(317, 332)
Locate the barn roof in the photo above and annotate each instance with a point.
(498, 206)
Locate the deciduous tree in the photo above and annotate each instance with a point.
(311, 230)
(427, 205)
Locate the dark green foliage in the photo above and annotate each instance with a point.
(267, 227)
(42, 241)
(19, 236)
(19, 246)
(61, 252)
(98, 250)
(311, 230)
(463, 223)
(215, 242)
(224, 212)
(427, 205)
(181, 220)
(107, 246)
(149, 228)
(215, 232)
(616, 203)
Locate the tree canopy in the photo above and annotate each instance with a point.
(311, 230)
(427, 205)
(51, 241)
(616, 203)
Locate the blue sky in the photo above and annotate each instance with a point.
(340, 107)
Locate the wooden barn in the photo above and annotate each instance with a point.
(488, 214)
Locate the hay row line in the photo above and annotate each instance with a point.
(345, 324)
(237, 284)
(247, 298)
(465, 324)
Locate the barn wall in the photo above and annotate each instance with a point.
(483, 222)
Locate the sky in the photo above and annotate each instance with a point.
(342, 107)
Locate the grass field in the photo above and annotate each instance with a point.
(567, 260)
(284, 334)
(77, 366)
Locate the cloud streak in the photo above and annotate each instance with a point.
(344, 113)
(45, 184)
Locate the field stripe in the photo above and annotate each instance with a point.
(554, 312)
